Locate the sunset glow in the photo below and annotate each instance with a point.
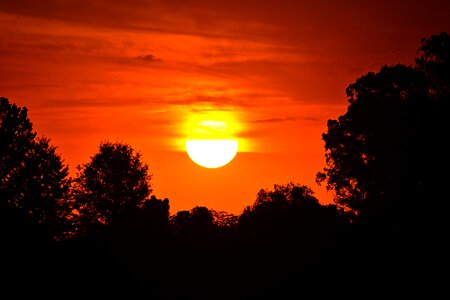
(248, 149)
(211, 138)
(148, 73)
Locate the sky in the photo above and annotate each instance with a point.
(137, 71)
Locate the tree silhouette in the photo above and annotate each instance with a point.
(225, 221)
(195, 226)
(384, 154)
(145, 230)
(286, 213)
(33, 178)
(114, 181)
(287, 236)
(433, 58)
(146, 225)
(16, 136)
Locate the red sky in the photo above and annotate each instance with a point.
(134, 71)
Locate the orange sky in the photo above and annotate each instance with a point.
(134, 71)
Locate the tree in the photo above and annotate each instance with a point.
(16, 140)
(225, 220)
(142, 224)
(114, 181)
(433, 58)
(284, 213)
(383, 155)
(197, 223)
(197, 231)
(34, 181)
(199, 239)
(289, 235)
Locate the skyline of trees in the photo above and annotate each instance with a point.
(384, 160)
(377, 153)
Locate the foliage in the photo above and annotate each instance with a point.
(199, 221)
(283, 211)
(384, 154)
(114, 181)
(33, 178)
(224, 219)
(433, 58)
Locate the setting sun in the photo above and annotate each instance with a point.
(212, 153)
(247, 148)
(211, 140)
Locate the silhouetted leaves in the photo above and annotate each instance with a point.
(433, 58)
(289, 221)
(384, 154)
(386, 164)
(114, 181)
(33, 179)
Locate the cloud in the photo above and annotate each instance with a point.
(198, 19)
(275, 120)
(147, 58)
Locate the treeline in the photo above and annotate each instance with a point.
(104, 233)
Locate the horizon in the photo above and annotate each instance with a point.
(136, 72)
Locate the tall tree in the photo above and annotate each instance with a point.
(34, 180)
(383, 155)
(16, 139)
(45, 186)
(114, 181)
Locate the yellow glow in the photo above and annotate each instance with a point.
(211, 125)
(212, 153)
(211, 140)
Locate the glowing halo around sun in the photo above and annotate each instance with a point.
(211, 142)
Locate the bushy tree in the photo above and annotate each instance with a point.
(385, 155)
(195, 223)
(287, 231)
(33, 178)
(114, 181)
(284, 213)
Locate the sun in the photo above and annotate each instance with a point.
(211, 143)
(212, 153)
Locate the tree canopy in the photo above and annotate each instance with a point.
(384, 154)
(33, 178)
(433, 58)
(114, 181)
(287, 212)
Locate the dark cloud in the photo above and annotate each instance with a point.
(275, 120)
(147, 58)
(286, 119)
